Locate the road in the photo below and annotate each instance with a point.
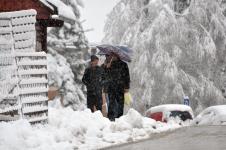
(188, 138)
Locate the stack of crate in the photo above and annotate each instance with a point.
(9, 88)
(30, 71)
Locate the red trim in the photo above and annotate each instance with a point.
(157, 116)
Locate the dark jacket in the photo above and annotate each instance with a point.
(92, 78)
(117, 76)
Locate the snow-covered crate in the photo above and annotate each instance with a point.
(5, 26)
(23, 72)
(22, 26)
(24, 43)
(5, 30)
(4, 22)
(9, 104)
(33, 85)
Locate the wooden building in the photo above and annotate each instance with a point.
(45, 11)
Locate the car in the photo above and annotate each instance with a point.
(163, 113)
(213, 115)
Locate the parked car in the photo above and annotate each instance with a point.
(164, 112)
(214, 115)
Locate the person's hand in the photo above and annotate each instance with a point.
(126, 90)
(108, 65)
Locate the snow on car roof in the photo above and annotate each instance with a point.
(170, 107)
(213, 115)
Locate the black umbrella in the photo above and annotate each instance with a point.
(123, 52)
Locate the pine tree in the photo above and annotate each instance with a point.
(70, 42)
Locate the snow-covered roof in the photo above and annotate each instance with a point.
(65, 12)
(170, 107)
(47, 4)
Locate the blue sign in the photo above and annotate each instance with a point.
(186, 101)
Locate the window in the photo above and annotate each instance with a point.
(183, 115)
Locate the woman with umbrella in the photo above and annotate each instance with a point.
(117, 79)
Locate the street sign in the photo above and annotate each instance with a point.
(186, 101)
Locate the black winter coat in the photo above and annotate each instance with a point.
(117, 76)
(92, 78)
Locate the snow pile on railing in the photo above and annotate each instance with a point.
(69, 130)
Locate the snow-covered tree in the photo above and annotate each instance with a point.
(60, 75)
(177, 51)
(68, 44)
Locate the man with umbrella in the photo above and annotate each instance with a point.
(117, 79)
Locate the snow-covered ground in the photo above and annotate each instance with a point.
(68, 129)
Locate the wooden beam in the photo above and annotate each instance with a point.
(50, 22)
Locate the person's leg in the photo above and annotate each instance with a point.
(95, 102)
(90, 103)
(120, 101)
(99, 101)
(94, 108)
(107, 98)
(111, 106)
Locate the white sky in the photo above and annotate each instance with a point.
(95, 12)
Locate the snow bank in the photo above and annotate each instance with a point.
(68, 129)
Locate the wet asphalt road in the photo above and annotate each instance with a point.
(188, 138)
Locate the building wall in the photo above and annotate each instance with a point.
(41, 38)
